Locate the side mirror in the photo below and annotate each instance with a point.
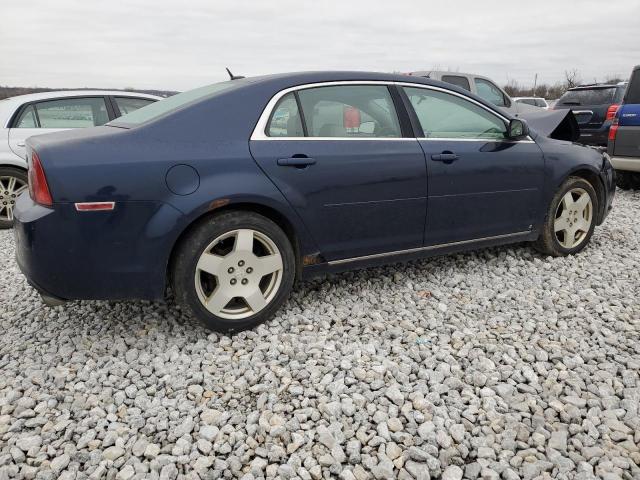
(517, 129)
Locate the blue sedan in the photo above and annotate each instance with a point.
(231, 192)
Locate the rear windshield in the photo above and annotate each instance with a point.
(589, 96)
(157, 109)
(633, 89)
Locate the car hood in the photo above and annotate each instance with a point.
(557, 124)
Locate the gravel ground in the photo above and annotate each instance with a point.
(495, 364)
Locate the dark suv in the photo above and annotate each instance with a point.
(595, 107)
(624, 136)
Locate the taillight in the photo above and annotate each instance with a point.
(613, 130)
(611, 111)
(38, 188)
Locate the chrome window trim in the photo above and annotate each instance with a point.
(259, 132)
(427, 248)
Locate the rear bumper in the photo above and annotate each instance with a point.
(595, 136)
(74, 255)
(627, 164)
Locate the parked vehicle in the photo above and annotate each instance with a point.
(38, 113)
(213, 193)
(483, 87)
(595, 107)
(534, 101)
(624, 136)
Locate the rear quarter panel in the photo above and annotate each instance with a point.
(130, 166)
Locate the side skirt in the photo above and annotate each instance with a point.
(366, 261)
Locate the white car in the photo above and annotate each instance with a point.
(483, 87)
(26, 115)
(535, 101)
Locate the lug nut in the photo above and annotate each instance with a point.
(249, 270)
(241, 263)
(233, 281)
(245, 281)
(230, 270)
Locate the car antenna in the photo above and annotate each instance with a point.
(232, 76)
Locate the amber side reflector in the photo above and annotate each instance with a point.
(95, 206)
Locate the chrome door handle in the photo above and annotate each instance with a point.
(21, 144)
(446, 157)
(299, 162)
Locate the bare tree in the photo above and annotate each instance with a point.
(513, 88)
(572, 78)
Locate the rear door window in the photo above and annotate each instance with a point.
(72, 112)
(131, 104)
(462, 82)
(633, 89)
(285, 119)
(489, 92)
(350, 111)
(27, 118)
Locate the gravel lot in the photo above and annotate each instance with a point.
(496, 364)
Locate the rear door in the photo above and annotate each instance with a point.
(49, 116)
(339, 155)
(480, 184)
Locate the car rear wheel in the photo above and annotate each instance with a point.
(13, 181)
(233, 271)
(570, 220)
(628, 180)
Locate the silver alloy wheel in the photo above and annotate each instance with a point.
(238, 274)
(10, 188)
(573, 218)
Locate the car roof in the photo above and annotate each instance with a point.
(594, 86)
(29, 97)
(425, 73)
(9, 105)
(253, 93)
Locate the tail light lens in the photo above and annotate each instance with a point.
(611, 111)
(613, 130)
(38, 188)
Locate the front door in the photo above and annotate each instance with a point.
(481, 184)
(338, 155)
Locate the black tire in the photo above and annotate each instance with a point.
(628, 180)
(19, 174)
(192, 246)
(547, 242)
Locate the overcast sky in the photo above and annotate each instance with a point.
(179, 45)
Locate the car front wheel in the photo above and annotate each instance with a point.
(233, 271)
(13, 181)
(570, 220)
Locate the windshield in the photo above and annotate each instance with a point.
(589, 96)
(158, 109)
